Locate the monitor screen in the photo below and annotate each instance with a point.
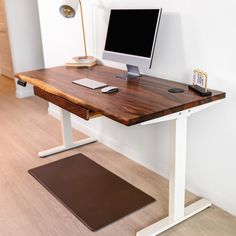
(132, 31)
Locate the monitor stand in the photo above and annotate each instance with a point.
(133, 72)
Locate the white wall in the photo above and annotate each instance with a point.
(25, 38)
(192, 34)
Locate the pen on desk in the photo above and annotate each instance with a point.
(206, 81)
(195, 76)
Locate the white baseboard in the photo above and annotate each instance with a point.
(24, 93)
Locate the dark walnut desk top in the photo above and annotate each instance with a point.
(138, 100)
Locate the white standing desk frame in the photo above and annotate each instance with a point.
(177, 165)
(68, 143)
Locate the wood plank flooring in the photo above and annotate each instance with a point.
(27, 209)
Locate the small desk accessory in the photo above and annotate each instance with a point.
(68, 10)
(200, 80)
(176, 90)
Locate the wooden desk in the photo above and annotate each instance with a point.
(139, 101)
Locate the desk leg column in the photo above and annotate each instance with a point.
(66, 128)
(177, 165)
(67, 137)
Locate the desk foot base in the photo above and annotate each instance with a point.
(168, 222)
(63, 148)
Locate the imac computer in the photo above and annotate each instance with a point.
(131, 38)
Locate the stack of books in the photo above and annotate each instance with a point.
(82, 62)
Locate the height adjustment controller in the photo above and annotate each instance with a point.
(21, 83)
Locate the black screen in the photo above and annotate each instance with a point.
(132, 31)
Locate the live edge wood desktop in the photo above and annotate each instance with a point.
(141, 101)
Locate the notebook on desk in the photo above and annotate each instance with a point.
(89, 83)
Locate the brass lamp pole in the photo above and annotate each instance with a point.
(68, 10)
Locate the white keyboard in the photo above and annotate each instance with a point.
(89, 83)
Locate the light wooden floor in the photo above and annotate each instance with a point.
(27, 209)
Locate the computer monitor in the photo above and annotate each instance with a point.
(131, 38)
